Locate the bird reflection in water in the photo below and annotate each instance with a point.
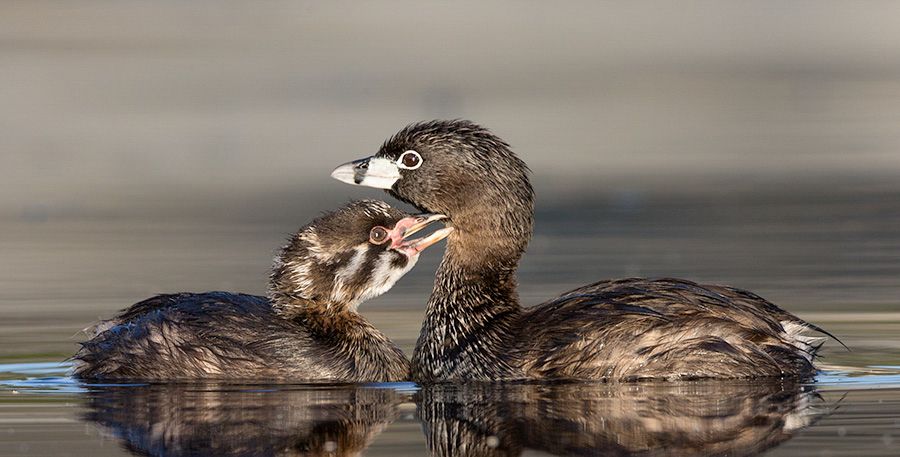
(231, 420)
(639, 419)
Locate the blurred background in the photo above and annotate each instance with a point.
(150, 147)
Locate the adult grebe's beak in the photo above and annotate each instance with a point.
(406, 227)
(376, 172)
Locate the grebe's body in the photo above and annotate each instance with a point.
(475, 328)
(223, 335)
(663, 328)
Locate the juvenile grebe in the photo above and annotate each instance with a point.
(627, 329)
(308, 327)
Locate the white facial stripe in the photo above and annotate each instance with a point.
(338, 293)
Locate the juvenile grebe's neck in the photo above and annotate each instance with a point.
(353, 340)
(323, 320)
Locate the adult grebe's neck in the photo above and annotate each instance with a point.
(474, 308)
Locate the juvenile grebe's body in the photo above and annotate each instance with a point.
(228, 335)
(307, 329)
(475, 328)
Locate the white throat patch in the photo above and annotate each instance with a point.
(339, 292)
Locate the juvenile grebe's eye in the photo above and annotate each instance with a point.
(378, 235)
(410, 160)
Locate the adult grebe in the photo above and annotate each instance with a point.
(308, 327)
(627, 329)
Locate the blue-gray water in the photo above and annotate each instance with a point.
(842, 413)
(150, 147)
(833, 257)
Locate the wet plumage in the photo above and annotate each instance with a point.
(306, 329)
(669, 328)
(628, 329)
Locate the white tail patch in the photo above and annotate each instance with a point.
(793, 334)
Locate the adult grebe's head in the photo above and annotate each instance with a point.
(459, 169)
(349, 255)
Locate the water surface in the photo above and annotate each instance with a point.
(841, 414)
(833, 258)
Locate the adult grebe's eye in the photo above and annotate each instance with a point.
(378, 235)
(410, 160)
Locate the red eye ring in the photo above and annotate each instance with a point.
(378, 235)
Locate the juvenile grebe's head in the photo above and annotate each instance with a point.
(459, 169)
(350, 255)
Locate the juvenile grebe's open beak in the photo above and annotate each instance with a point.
(406, 227)
(376, 172)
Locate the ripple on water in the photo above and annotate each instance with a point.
(55, 378)
(871, 377)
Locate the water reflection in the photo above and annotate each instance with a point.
(696, 419)
(690, 419)
(228, 420)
